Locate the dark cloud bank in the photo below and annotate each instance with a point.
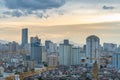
(18, 8)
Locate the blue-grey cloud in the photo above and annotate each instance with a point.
(108, 7)
(15, 13)
(33, 4)
(19, 13)
(42, 15)
(18, 8)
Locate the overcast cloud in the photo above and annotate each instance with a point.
(18, 8)
(33, 4)
(40, 8)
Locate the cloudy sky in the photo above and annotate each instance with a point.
(60, 19)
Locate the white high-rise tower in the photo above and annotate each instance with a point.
(92, 45)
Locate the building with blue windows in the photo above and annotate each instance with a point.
(116, 60)
(92, 45)
(36, 50)
(24, 37)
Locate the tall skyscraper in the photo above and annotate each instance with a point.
(36, 50)
(24, 37)
(92, 46)
(65, 51)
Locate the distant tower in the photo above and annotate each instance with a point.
(47, 42)
(24, 37)
(65, 51)
(36, 50)
(50, 47)
(92, 44)
(75, 56)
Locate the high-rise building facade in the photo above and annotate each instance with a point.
(116, 60)
(92, 47)
(65, 51)
(50, 47)
(52, 59)
(47, 42)
(44, 54)
(76, 56)
(13, 46)
(36, 50)
(24, 37)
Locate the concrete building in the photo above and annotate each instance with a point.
(75, 56)
(82, 57)
(92, 45)
(44, 54)
(30, 65)
(65, 51)
(36, 50)
(110, 47)
(50, 47)
(24, 37)
(52, 60)
(116, 60)
(13, 46)
(47, 42)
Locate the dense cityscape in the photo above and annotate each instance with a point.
(59, 39)
(64, 61)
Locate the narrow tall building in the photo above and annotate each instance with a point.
(76, 56)
(36, 50)
(92, 46)
(65, 52)
(116, 60)
(24, 37)
(47, 42)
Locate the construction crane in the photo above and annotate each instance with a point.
(95, 68)
(22, 76)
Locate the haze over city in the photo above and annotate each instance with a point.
(72, 19)
(59, 40)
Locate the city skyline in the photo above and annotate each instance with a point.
(61, 21)
(57, 43)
